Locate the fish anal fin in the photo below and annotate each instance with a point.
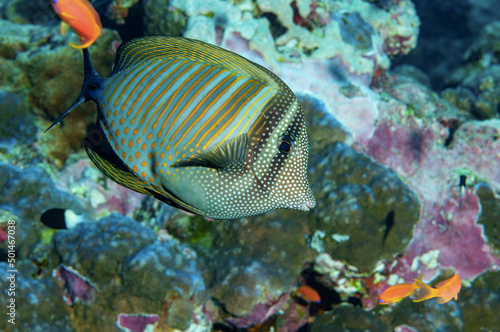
(442, 300)
(123, 176)
(127, 178)
(228, 154)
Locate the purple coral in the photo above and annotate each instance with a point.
(136, 323)
(403, 148)
(452, 229)
(76, 287)
(261, 312)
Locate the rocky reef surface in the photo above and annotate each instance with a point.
(407, 181)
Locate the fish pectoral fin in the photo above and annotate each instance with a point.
(64, 28)
(228, 154)
(66, 15)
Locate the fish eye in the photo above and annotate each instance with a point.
(380, 301)
(285, 144)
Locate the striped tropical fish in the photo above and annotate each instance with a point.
(198, 127)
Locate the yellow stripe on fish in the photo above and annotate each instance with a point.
(198, 127)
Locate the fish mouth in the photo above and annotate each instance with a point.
(310, 205)
(310, 202)
(307, 206)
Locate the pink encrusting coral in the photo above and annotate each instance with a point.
(452, 229)
(136, 322)
(430, 169)
(403, 148)
(261, 312)
(447, 235)
(76, 287)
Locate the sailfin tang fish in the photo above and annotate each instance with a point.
(198, 127)
(82, 17)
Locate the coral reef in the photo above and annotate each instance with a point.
(38, 307)
(96, 191)
(122, 265)
(406, 181)
(372, 206)
(344, 318)
(251, 275)
(476, 85)
(357, 35)
(31, 58)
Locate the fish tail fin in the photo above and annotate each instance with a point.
(426, 292)
(91, 82)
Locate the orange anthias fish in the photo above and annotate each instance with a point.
(444, 291)
(82, 17)
(307, 293)
(398, 292)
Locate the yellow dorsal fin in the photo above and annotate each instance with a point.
(153, 48)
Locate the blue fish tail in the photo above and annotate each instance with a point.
(91, 83)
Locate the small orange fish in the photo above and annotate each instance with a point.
(307, 293)
(396, 293)
(82, 17)
(444, 291)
